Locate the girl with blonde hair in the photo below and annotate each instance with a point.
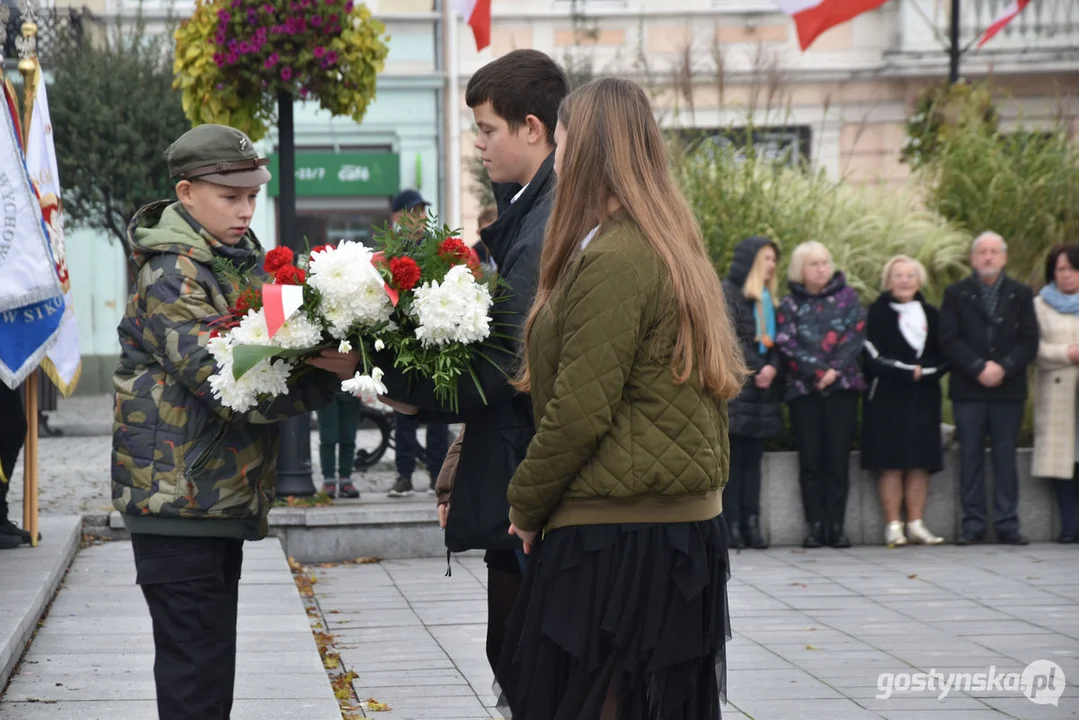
(755, 415)
(624, 610)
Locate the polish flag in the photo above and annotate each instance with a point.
(477, 13)
(280, 303)
(1010, 11)
(813, 17)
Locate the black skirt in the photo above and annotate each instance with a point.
(637, 609)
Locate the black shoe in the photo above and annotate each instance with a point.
(401, 488)
(1012, 538)
(9, 542)
(838, 539)
(736, 536)
(348, 490)
(330, 488)
(815, 538)
(8, 528)
(968, 539)
(752, 528)
(1065, 539)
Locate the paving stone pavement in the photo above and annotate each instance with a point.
(92, 658)
(813, 632)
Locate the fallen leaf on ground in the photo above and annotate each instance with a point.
(810, 647)
(375, 706)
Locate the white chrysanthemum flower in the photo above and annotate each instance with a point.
(269, 378)
(252, 330)
(344, 347)
(366, 387)
(298, 333)
(353, 291)
(454, 311)
(338, 319)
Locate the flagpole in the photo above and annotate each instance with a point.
(451, 48)
(954, 51)
(28, 68)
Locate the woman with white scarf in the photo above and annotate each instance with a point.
(1056, 449)
(901, 413)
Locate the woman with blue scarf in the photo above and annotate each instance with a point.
(755, 415)
(1056, 447)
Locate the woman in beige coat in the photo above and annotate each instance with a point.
(1056, 446)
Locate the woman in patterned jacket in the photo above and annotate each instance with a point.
(820, 330)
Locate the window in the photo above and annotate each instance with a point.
(789, 144)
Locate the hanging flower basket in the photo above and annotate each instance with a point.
(233, 57)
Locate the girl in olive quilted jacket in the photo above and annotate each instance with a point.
(618, 501)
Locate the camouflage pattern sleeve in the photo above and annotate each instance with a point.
(177, 328)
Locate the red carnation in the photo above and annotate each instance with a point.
(319, 248)
(248, 300)
(406, 273)
(278, 258)
(454, 249)
(290, 275)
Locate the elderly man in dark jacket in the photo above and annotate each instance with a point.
(755, 415)
(515, 102)
(989, 332)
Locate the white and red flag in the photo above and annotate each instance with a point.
(1006, 16)
(477, 13)
(280, 302)
(813, 17)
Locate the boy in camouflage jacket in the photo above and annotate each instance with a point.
(193, 479)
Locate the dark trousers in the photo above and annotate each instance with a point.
(1067, 496)
(824, 427)
(191, 585)
(407, 446)
(337, 425)
(1000, 422)
(3, 500)
(742, 495)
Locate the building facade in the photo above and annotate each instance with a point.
(710, 65)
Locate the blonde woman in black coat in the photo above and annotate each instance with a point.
(755, 415)
(901, 413)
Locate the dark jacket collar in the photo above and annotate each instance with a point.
(499, 235)
(837, 283)
(975, 287)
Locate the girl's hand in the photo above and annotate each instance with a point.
(403, 408)
(526, 536)
(343, 365)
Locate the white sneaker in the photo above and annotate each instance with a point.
(919, 534)
(893, 534)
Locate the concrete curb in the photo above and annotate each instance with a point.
(31, 578)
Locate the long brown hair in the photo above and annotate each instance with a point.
(615, 151)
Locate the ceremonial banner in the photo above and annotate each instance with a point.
(63, 363)
(31, 299)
